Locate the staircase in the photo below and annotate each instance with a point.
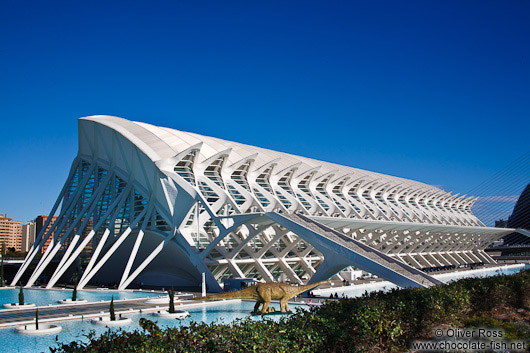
(360, 255)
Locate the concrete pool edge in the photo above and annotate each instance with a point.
(72, 304)
(129, 311)
(97, 290)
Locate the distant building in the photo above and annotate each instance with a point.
(28, 236)
(520, 219)
(40, 221)
(10, 233)
(501, 223)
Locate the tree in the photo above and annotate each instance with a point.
(111, 310)
(171, 293)
(74, 293)
(21, 296)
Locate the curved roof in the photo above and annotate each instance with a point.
(285, 181)
(161, 142)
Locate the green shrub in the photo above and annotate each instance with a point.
(374, 322)
(512, 330)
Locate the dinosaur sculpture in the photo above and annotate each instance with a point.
(264, 293)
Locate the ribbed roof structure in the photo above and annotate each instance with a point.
(344, 191)
(155, 205)
(162, 142)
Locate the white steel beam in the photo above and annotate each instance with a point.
(119, 199)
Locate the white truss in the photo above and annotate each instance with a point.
(152, 204)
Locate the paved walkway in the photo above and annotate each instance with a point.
(12, 317)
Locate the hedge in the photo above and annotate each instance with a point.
(374, 322)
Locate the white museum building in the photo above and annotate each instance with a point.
(159, 206)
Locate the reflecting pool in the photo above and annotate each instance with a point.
(43, 297)
(75, 330)
(223, 312)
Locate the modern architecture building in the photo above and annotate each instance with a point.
(28, 236)
(151, 204)
(10, 233)
(515, 246)
(520, 220)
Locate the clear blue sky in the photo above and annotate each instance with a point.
(436, 91)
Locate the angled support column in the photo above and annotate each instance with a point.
(464, 255)
(87, 210)
(90, 213)
(111, 251)
(474, 256)
(63, 217)
(327, 269)
(232, 265)
(36, 246)
(238, 221)
(348, 252)
(422, 258)
(252, 233)
(412, 259)
(446, 256)
(266, 246)
(454, 261)
(58, 225)
(118, 202)
(289, 271)
(136, 246)
(462, 260)
(434, 258)
(486, 258)
(105, 235)
(265, 273)
(307, 267)
(146, 261)
(66, 255)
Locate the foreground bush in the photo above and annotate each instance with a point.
(375, 322)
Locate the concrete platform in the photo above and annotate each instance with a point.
(61, 312)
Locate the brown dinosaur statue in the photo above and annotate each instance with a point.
(264, 293)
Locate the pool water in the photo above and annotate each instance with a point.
(358, 290)
(76, 330)
(51, 296)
